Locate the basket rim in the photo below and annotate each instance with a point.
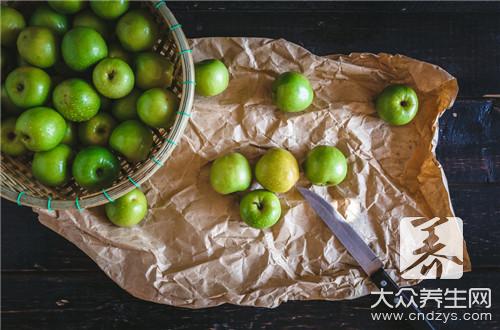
(153, 164)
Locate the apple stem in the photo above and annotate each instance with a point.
(259, 205)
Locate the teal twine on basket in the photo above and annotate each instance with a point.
(175, 27)
(133, 182)
(18, 201)
(182, 113)
(183, 51)
(157, 162)
(77, 204)
(172, 142)
(49, 203)
(159, 3)
(105, 193)
(189, 82)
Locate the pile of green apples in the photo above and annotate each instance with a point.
(81, 88)
(277, 171)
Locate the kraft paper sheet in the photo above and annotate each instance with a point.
(193, 250)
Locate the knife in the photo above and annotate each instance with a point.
(361, 252)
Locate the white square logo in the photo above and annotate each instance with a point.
(431, 248)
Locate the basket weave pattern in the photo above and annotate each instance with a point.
(19, 185)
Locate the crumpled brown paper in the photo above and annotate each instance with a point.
(193, 250)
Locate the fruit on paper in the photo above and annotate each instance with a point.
(128, 210)
(277, 170)
(76, 100)
(292, 92)
(153, 70)
(38, 46)
(137, 30)
(28, 86)
(156, 107)
(212, 77)
(82, 47)
(40, 128)
(325, 166)
(95, 168)
(397, 104)
(52, 167)
(11, 141)
(12, 23)
(260, 209)
(132, 139)
(96, 130)
(113, 78)
(230, 173)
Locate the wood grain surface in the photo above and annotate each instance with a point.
(47, 283)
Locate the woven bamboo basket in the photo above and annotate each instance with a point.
(19, 185)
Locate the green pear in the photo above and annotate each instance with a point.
(277, 170)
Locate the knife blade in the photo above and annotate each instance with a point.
(360, 251)
(356, 246)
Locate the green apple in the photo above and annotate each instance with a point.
(230, 173)
(110, 9)
(97, 130)
(325, 166)
(51, 167)
(40, 128)
(397, 104)
(95, 168)
(38, 46)
(117, 51)
(70, 137)
(8, 107)
(8, 60)
(212, 77)
(89, 20)
(292, 92)
(76, 100)
(132, 139)
(28, 86)
(277, 170)
(44, 16)
(137, 30)
(113, 78)
(67, 6)
(11, 141)
(260, 209)
(128, 210)
(82, 47)
(126, 107)
(157, 107)
(12, 23)
(153, 70)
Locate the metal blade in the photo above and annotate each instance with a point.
(344, 232)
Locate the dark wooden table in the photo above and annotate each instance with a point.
(49, 283)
